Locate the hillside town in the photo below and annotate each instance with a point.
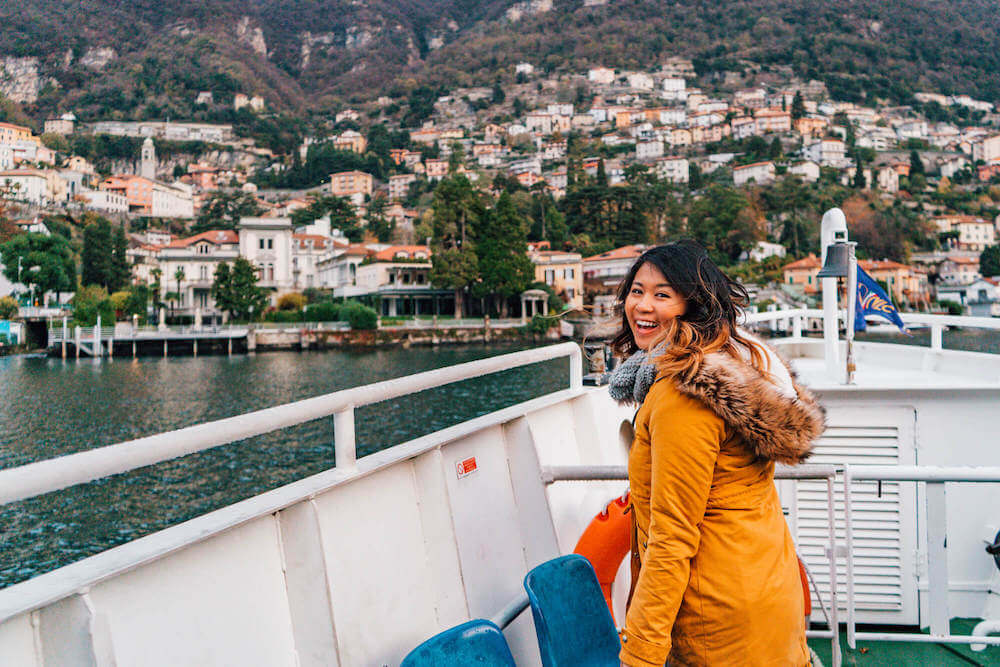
(372, 235)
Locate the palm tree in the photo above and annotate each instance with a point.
(179, 275)
(156, 273)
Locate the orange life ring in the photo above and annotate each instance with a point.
(606, 542)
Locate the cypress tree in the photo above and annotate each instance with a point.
(96, 258)
(121, 274)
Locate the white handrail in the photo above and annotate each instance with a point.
(50, 475)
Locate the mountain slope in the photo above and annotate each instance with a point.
(148, 59)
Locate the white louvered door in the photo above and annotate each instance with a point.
(884, 516)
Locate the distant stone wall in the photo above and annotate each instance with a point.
(321, 339)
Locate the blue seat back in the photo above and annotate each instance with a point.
(476, 643)
(572, 620)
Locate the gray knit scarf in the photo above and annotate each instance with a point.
(631, 380)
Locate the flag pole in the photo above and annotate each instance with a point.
(852, 306)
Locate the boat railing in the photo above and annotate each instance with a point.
(797, 320)
(935, 478)
(42, 477)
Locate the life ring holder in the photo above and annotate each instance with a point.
(606, 542)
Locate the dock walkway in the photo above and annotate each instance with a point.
(107, 341)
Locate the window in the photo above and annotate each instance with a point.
(203, 272)
(550, 276)
(270, 272)
(204, 249)
(261, 244)
(570, 293)
(809, 280)
(270, 244)
(568, 273)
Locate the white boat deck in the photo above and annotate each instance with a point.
(885, 367)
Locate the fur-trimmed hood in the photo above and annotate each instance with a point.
(777, 418)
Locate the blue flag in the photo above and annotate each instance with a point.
(872, 300)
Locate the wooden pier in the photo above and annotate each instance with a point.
(129, 340)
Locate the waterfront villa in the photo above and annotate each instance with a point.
(562, 271)
(196, 258)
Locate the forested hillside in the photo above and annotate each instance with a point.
(145, 59)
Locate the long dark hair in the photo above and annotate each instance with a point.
(708, 325)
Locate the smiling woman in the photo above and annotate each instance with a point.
(715, 574)
(651, 305)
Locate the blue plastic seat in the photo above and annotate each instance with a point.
(572, 620)
(478, 642)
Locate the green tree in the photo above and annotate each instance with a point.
(223, 210)
(859, 182)
(97, 259)
(498, 94)
(157, 286)
(695, 181)
(121, 273)
(798, 106)
(989, 261)
(916, 164)
(89, 302)
(376, 221)
(341, 212)
(775, 150)
(235, 290)
(501, 250)
(725, 222)
(43, 261)
(455, 213)
(8, 307)
(179, 276)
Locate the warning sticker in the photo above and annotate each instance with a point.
(466, 467)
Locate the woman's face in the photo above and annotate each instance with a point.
(650, 305)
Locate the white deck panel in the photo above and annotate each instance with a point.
(379, 576)
(218, 602)
(17, 643)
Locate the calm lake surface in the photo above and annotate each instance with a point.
(50, 407)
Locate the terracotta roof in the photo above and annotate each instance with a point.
(390, 253)
(880, 264)
(625, 252)
(318, 240)
(755, 164)
(810, 262)
(216, 236)
(964, 260)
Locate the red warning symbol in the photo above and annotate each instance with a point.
(466, 467)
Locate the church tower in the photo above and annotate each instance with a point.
(148, 167)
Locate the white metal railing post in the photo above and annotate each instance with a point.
(937, 336)
(937, 558)
(575, 368)
(849, 540)
(797, 326)
(834, 622)
(344, 443)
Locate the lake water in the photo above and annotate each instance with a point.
(50, 407)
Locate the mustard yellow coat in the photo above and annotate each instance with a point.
(719, 581)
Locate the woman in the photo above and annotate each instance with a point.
(718, 580)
